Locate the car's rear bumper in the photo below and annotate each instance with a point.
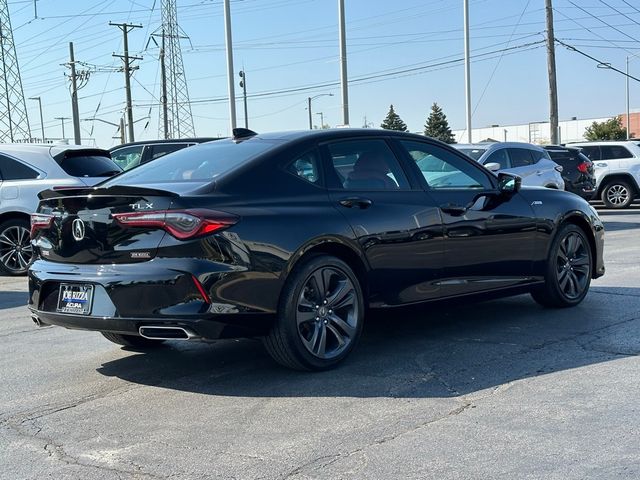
(213, 300)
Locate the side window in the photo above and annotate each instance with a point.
(499, 156)
(13, 170)
(592, 151)
(520, 157)
(443, 169)
(307, 167)
(538, 155)
(614, 152)
(160, 149)
(127, 157)
(366, 165)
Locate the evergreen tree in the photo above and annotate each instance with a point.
(393, 121)
(437, 125)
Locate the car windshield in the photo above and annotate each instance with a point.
(474, 153)
(206, 161)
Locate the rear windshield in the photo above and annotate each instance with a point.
(89, 166)
(474, 153)
(201, 162)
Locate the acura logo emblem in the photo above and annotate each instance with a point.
(77, 228)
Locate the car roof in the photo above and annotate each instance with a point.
(497, 145)
(164, 141)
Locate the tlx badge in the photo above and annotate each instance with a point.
(141, 206)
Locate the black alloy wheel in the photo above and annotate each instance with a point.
(16, 252)
(617, 194)
(320, 316)
(569, 269)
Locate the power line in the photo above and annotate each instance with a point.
(619, 12)
(606, 65)
(600, 20)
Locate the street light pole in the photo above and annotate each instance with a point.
(344, 81)
(62, 119)
(467, 70)
(309, 106)
(628, 121)
(41, 120)
(321, 119)
(231, 86)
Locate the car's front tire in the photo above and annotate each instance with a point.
(617, 194)
(568, 271)
(133, 341)
(320, 315)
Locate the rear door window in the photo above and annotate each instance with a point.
(161, 149)
(499, 156)
(520, 157)
(366, 165)
(127, 157)
(614, 152)
(13, 170)
(592, 151)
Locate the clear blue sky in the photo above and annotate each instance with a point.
(286, 44)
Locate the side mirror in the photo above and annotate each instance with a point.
(493, 166)
(508, 183)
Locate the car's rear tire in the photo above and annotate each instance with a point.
(568, 270)
(617, 194)
(320, 315)
(131, 340)
(15, 247)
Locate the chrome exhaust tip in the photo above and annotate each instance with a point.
(37, 321)
(154, 332)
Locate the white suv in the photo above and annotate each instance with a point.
(617, 170)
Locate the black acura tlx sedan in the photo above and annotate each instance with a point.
(293, 236)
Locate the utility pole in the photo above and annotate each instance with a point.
(309, 110)
(467, 70)
(343, 64)
(62, 119)
(41, 119)
(551, 66)
(126, 28)
(74, 97)
(229, 41)
(243, 84)
(321, 120)
(163, 99)
(123, 134)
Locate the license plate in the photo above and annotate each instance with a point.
(75, 298)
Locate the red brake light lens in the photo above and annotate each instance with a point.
(182, 224)
(40, 221)
(584, 167)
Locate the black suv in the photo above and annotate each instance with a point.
(132, 154)
(577, 170)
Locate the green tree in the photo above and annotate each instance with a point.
(393, 121)
(437, 125)
(611, 129)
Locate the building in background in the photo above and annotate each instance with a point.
(539, 132)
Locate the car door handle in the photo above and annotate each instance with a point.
(359, 202)
(539, 172)
(453, 209)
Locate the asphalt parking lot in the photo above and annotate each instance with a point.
(502, 389)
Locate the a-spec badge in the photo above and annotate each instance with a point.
(141, 206)
(77, 229)
(536, 202)
(140, 255)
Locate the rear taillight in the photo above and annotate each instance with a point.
(182, 224)
(584, 167)
(40, 221)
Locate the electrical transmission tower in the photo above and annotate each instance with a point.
(176, 120)
(14, 123)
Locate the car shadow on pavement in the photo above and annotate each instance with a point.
(410, 353)
(13, 299)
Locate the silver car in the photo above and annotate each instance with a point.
(26, 170)
(530, 162)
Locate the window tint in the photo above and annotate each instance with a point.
(520, 157)
(160, 150)
(443, 169)
(201, 162)
(307, 167)
(366, 165)
(127, 157)
(613, 152)
(538, 155)
(499, 156)
(89, 166)
(592, 151)
(14, 170)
